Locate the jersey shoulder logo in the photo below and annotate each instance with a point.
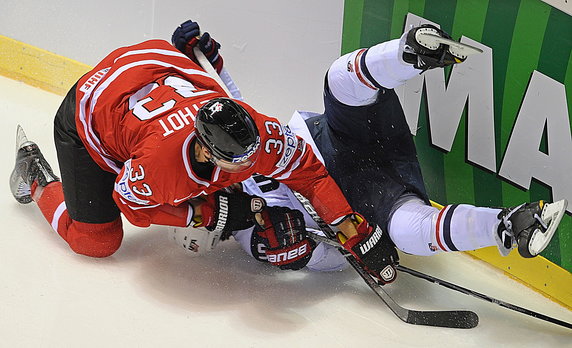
(290, 145)
(123, 186)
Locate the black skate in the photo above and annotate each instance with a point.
(428, 47)
(30, 166)
(530, 226)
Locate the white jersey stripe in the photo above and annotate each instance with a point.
(187, 161)
(57, 215)
(140, 207)
(157, 51)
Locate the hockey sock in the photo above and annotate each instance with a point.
(460, 227)
(95, 240)
(385, 64)
(355, 78)
(420, 229)
(50, 200)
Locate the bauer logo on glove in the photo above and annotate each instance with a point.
(283, 232)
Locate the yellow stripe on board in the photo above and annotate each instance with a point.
(537, 273)
(57, 74)
(38, 67)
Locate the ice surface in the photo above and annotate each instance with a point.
(152, 293)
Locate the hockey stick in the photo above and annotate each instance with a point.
(205, 64)
(450, 319)
(460, 289)
(483, 297)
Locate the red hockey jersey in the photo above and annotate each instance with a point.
(135, 113)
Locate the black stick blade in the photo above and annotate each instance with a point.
(449, 319)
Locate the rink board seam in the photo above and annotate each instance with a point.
(56, 74)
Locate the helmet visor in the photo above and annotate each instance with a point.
(236, 165)
(232, 167)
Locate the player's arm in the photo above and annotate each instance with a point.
(307, 175)
(366, 241)
(188, 35)
(139, 200)
(291, 161)
(226, 212)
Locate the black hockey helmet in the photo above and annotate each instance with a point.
(229, 133)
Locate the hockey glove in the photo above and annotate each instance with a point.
(227, 212)
(284, 233)
(373, 249)
(188, 35)
(424, 52)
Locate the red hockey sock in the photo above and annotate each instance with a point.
(95, 240)
(50, 200)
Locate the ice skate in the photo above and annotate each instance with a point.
(427, 47)
(529, 227)
(30, 166)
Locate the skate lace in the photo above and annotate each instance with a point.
(541, 222)
(506, 220)
(508, 224)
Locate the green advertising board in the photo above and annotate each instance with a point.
(526, 152)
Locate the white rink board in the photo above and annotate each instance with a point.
(151, 293)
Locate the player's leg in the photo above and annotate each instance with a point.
(89, 220)
(420, 229)
(356, 78)
(95, 227)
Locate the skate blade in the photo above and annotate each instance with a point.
(21, 138)
(552, 213)
(432, 41)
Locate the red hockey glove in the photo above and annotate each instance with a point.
(188, 35)
(284, 234)
(226, 212)
(373, 249)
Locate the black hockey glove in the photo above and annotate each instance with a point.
(426, 54)
(188, 35)
(227, 212)
(283, 232)
(372, 248)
